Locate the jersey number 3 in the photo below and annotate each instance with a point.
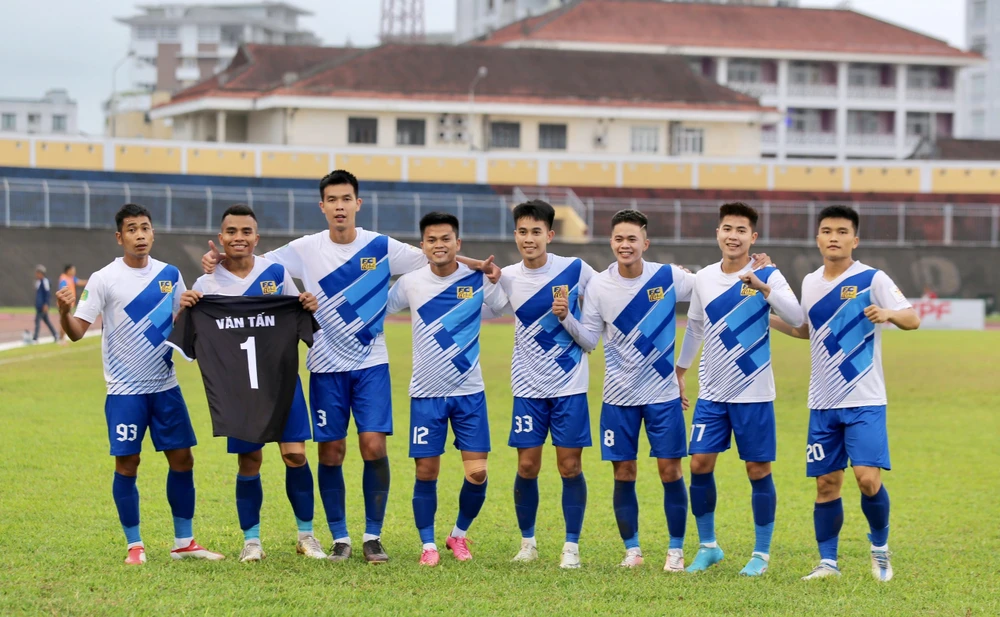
(250, 346)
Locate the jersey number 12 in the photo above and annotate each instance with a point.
(250, 346)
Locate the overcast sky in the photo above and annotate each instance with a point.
(74, 44)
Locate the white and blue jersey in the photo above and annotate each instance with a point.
(351, 283)
(446, 314)
(547, 362)
(137, 307)
(846, 346)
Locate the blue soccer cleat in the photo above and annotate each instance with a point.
(706, 558)
(757, 566)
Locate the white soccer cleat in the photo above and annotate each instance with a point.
(252, 551)
(570, 559)
(633, 558)
(527, 553)
(675, 560)
(881, 566)
(310, 547)
(823, 570)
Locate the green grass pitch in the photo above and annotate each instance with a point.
(62, 546)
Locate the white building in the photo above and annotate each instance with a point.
(849, 85)
(54, 113)
(981, 110)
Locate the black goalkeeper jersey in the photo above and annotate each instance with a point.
(247, 350)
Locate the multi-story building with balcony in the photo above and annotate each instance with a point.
(848, 85)
(980, 117)
(52, 114)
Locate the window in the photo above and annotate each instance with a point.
(145, 33)
(34, 119)
(552, 136)
(978, 12)
(688, 141)
(8, 122)
(805, 120)
(923, 77)
(863, 122)
(864, 75)
(168, 33)
(744, 71)
(918, 124)
(410, 132)
(505, 135)
(978, 45)
(645, 139)
(978, 124)
(804, 73)
(362, 130)
(978, 87)
(59, 124)
(208, 33)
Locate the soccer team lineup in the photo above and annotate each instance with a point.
(244, 318)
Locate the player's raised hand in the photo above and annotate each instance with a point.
(560, 307)
(877, 315)
(210, 259)
(65, 299)
(189, 298)
(760, 260)
(750, 280)
(309, 301)
(491, 270)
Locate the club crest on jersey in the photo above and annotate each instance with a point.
(268, 288)
(84, 295)
(368, 263)
(848, 292)
(166, 287)
(560, 291)
(655, 294)
(465, 293)
(746, 290)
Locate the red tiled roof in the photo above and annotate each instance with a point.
(951, 149)
(654, 22)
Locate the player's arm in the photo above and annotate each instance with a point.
(683, 283)
(793, 331)
(73, 326)
(495, 300)
(585, 331)
(397, 300)
(289, 288)
(486, 266)
(890, 305)
(779, 296)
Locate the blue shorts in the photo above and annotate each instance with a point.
(753, 424)
(429, 424)
(664, 428)
(333, 396)
(855, 433)
(164, 413)
(568, 417)
(296, 426)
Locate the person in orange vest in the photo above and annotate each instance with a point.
(69, 279)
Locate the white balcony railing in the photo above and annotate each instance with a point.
(937, 95)
(912, 141)
(811, 138)
(813, 91)
(871, 140)
(872, 93)
(755, 89)
(769, 137)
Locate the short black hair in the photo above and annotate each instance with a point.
(238, 210)
(535, 209)
(738, 208)
(438, 218)
(67, 268)
(335, 177)
(629, 216)
(131, 211)
(840, 212)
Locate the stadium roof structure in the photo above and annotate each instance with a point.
(689, 28)
(260, 74)
(952, 149)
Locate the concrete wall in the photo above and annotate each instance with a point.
(952, 272)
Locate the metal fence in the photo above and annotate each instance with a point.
(188, 208)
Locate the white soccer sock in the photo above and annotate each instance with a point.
(430, 546)
(530, 540)
(135, 544)
(765, 556)
(880, 548)
(345, 540)
(829, 562)
(457, 533)
(367, 537)
(182, 542)
(252, 541)
(305, 534)
(572, 547)
(710, 545)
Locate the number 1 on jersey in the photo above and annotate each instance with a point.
(250, 346)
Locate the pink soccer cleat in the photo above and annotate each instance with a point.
(430, 557)
(195, 551)
(459, 546)
(136, 556)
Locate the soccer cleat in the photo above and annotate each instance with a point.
(310, 547)
(823, 570)
(706, 558)
(252, 551)
(374, 552)
(430, 557)
(340, 551)
(757, 566)
(195, 551)
(675, 560)
(633, 558)
(570, 559)
(136, 556)
(881, 567)
(527, 553)
(460, 547)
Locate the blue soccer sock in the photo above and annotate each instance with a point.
(828, 518)
(876, 509)
(675, 506)
(180, 496)
(526, 504)
(626, 506)
(249, 498)
(126, 495)
(375, 486)
(703, 499)
(574, 505)
(331, 490)
(764, 501)
(299, 489)
(425, 503)
(470, 502)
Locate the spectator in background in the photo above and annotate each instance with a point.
(69, 279)
(42, 292)
(929, 293)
